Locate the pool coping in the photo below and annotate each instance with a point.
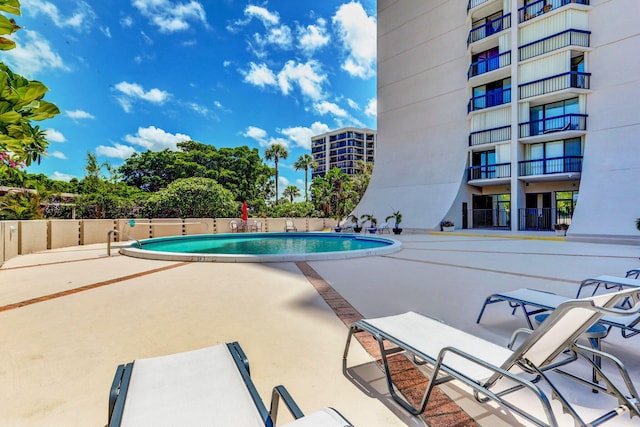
(133, 251)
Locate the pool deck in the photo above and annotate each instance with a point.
(69, 316)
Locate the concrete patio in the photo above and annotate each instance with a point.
(69, 316)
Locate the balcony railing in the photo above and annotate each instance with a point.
(571, 79)
(489, 64)
(491, 218)
(566, 164)
(492, 27)
(541, 219)
(498, 170)
(554, 42)
(491, 99)
(474, 3)
(490, 136)
(565, 122)
(543, 6)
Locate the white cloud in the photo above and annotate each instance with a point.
(32, 54)
(280, 36)
(170, 16)
(313, 37)
(80, 19)
(58, 155)
(133, 92)
(155, 139)
(106, 31)
(262, 137)
(357, 31)
(54, 136)
(268, 18)
(260, 75)
(284, 182)
(372, 108)
(353, 104)
(79, 115)
(301, 136)
(59, 176)
(117, 151)
(126, 21)
(308, 77)
(326, 107)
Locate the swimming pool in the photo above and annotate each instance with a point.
(261, 247)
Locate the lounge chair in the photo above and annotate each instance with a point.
(209, 386)
(384, 227)
(485, 366)
(633, 274)
(608, 282)
(289, 225)
(533, 302)
(233, 225)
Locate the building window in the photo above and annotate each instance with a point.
(539, 116)
(491, 94)
(565, 206)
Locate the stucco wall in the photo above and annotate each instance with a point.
(421, 154)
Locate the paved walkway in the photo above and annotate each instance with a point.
(69, 316)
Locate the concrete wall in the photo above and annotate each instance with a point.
(63, 233)
(32, 236)
(95, 230)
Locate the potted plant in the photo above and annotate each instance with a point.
(447, 225)
(356, 223)
(373, 222)
(397, 217)
(561, 229)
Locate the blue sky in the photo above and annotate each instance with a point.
(133, 75)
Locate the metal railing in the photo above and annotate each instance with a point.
(541, 7)
(490, 136)
(490, 99)
(557, 41)
(491, 218)
(475, 3)
(570, 79)
(551, 165)
(541, 219)
(498, 170)
(565, 122)
(492, 27)
(489, 64)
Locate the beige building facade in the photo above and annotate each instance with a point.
(345, 148)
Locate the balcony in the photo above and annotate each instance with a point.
(566, 122)
(492, 27)
(490, 136)
(475, 3)
(541, 7)
(493, 98)
(578, 38)
(571, 79)
(495, 171)
(489, 64)
(556, 165)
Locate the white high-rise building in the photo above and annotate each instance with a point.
(509, 114)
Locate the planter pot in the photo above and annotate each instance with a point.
(449, 228)
(372, 230)
(397, 230)
(337, 229)
(561, 232)
(357, 229)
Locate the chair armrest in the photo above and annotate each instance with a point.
(280, 392)
(516, 334)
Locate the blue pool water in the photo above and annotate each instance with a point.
(261, 247)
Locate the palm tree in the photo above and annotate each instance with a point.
(276, 152)
(291, 192)
(305, 162)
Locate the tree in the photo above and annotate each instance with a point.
(20, 103)
(333, 193)
(305, 162)
(192, 198)
(276, 152)
(291, 192)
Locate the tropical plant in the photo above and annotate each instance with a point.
(191, 198)
(305, 162)
(291, 192)
(397, 217)
(276, 152)
(21, 205)
(638, 224)
(373, 221)
(354, 219)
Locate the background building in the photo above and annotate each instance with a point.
(343, 148)
(512, 114)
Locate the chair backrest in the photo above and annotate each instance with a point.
(233, 225)
(288, 223)
(565, 325)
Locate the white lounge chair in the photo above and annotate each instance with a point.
(209, 386)
(384, 227)
(485, 366)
